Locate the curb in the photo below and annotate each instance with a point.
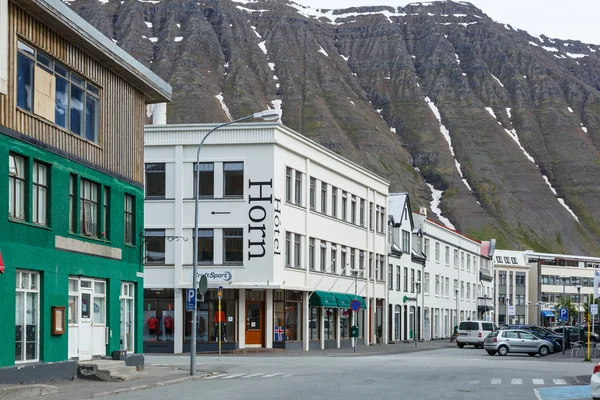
(152, 385)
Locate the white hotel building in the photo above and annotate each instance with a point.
(282, 223)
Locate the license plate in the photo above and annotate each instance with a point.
(463, 334)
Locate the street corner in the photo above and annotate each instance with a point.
(581, 392)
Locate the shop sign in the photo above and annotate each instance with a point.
(217, 276)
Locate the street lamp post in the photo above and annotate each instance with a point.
(456, 294)
(355, 272)
(564, 281)
(267, 115)
(579, 312)
(416, 315)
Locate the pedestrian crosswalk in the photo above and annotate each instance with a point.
(257, 375)
(518, 381)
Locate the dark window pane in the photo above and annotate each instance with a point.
(233, 176)
(77, 80)
(62, 102)
(91, 118)
(44, 61)
(25, 48)
(93, 89)
(76, 110)
(155, 246)
(205, 245)
(60, 70)
(24, 82)
(207, 179)
(233, 245)
(155, 180)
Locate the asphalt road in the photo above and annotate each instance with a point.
(440, 374)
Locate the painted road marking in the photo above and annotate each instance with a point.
(233, 376)
(215, 376)
(474, 382)
(272, 375)
(252, 375)
(559, 381)
(538, 381)
(516, 381)
(563, 393)
(496, 381)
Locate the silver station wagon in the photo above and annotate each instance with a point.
(516, 341)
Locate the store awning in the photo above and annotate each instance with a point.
(363, 305)
(323, 299)
(343, 300)
(547, 314)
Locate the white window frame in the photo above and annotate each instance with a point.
(25, 290)
(128, 293)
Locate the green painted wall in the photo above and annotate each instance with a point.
(31, 247)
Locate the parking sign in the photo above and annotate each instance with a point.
(594, 309)
(564, 315)
(190, 300)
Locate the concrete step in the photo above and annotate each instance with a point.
(107, 370)
(18, 392)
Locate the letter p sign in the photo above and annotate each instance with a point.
(190, 299)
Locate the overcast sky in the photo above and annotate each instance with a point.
(575, 19)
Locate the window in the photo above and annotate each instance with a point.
(455, 258)
(468, 291)
(462, 289)
(334, 194)
(447, 259)
(323, 259)
(361, 265)
(343, 262)
(155, 246)
(323, 197)
(398, 278)
(155, 180)
(344, 205)
(16, 187)
(233, 179)
(288, 185)
(311, 254)
(74, 104)
(447, 287)
(426, 248)
(207, 179)
(412, 280)
(353, 210)
(406, 279)
(313, 193)
(371, 216)
(288, 249)
(437, 251)
(72, 203)
(377, 218)
(298, 188)
(233, 246)
(381, 275)
(437, 285)
(40, 194)
(468, 262)
(106, 214)
(426, 283)
(520, 280)
(406, 242)
(352, 260)
(390, 277)
(206, 240)
(27, 318)
(362, 212)
(129, 229)
(514, 260)
(382, 216)
(88, 192)
(334, 258)
(462, 260)
(370, 265)
(498, 259)
(297, 250)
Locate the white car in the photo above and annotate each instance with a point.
(595, 383)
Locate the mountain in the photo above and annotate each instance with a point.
(495, 130)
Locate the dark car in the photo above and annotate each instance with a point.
(545, 334)
(581, 333)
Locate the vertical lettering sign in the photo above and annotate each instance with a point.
(260, 196)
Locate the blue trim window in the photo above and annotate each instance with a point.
(76, 101)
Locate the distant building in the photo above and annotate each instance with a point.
(512, 299)
(283, 223)
(71, 144)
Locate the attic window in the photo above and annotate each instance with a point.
(514, 260)
(498, 259)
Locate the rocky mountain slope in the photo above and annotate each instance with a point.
(436, 97)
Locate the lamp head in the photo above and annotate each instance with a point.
(270, 114)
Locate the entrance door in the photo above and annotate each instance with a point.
(85, 323)
(254, 323)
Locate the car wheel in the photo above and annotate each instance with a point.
(460, 346)
(503, 350)
(531, 354)
(544, 351)
(491, 352)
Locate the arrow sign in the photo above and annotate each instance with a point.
(220, 212)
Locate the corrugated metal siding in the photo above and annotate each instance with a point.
(121, 117)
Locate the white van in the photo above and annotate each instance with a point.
(474, 332)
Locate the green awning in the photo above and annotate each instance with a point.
(343, 300)
(363, 305)
(323, 299)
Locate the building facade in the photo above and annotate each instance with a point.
(451, 284)
(71, 143)
(511, 285)
(284, 224)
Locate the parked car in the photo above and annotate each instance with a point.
(595, 382)
(545, 334)
(473, 333)
(516, 341)
(572, 330)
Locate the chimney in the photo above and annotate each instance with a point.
(159, 114)
(423, 211)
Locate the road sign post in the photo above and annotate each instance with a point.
(564, 317)
(220, 295)
(190, 299)
(202, 288)
(594, 311)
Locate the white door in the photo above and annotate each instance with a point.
(127, 317)
(85, 322)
